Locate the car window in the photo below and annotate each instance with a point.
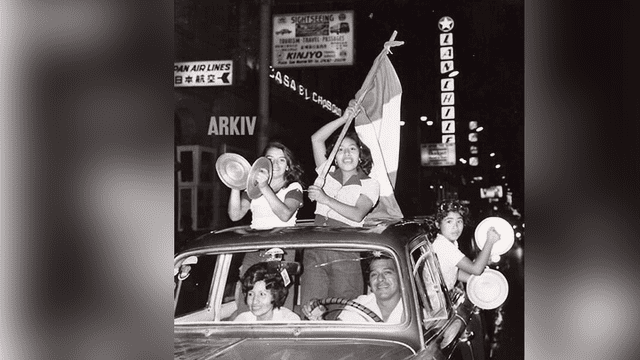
(428, 281)
(192, 283)
(211, 288)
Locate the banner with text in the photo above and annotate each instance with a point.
(313, 39)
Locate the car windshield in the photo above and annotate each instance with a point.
(231, 286)
(220, 286)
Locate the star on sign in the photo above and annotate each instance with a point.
(445, 23)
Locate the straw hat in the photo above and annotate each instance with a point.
(233, 170)
(261, 164)
(489, 290)
(503, 228)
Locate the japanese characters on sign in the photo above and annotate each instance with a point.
(313, 39)
(203, 73)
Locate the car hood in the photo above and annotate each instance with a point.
(205, 348)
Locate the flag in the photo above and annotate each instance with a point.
(378, 126)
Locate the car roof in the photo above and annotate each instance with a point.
(388, 233)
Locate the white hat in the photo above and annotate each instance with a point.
(489, 290)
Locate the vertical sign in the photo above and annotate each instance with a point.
(447, 95)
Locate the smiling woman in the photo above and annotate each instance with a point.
(265, 293)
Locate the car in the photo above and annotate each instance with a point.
(207, 296)
(341, 28)
(283, 32)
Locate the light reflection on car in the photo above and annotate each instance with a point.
(208, 297)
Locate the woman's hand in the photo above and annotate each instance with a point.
(317, 194)
(262, 178)
(350, 111)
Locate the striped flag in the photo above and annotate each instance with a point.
(378, 126)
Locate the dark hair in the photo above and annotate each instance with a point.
(373, 256)
(429, 225)
(447, 206)
(294, 174)
(366, 160)
(272, 279)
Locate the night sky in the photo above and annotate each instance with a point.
(488, 53)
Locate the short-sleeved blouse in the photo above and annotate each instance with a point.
(262, 217)
(349, 193)
(448, 256)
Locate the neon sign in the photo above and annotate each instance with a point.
(303, 91)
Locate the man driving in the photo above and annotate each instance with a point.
(385, 298)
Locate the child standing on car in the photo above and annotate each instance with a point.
(347, 196)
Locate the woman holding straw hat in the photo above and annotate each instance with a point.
(281, 197)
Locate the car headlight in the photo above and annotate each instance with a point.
(451, 332)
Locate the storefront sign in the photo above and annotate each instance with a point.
(203, 73)
(313, 39)
(438, 154)
(303, 91)
(491, 192)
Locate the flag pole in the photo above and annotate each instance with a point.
(366, 85)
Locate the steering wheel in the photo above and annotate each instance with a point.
(363, 310)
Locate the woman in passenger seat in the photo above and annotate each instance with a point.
(265, 293)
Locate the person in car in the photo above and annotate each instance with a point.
(281, 196)
(346, 197)
(451, 216)
(385, 298)
(265, 293)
